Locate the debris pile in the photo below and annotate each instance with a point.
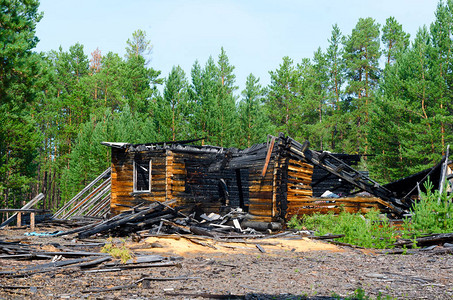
(62, 258)
(160, 218)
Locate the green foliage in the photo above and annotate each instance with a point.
(394, 38)
(89, 158)
(284, 98)
(212, 102)
(434, 212)
(20, 71)
(118, 251)
(139, 45)
(371, 230)
(361, 55)
(254, 126)
(360, 294)
(172, 113)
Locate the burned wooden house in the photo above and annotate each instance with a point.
(271, 181)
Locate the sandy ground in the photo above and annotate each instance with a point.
(208, 269)
(188, 246)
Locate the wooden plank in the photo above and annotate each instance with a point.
(291, 193)
(300, 176)
(269, 188)
(300, 170)
(301, 163)
(268, 156)
(299, 186)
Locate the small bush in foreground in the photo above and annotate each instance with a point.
(117, 251)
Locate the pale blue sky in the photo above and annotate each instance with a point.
(256, 34)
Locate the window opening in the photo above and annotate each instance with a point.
(142, 175)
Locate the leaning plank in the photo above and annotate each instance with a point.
(176, 226)
(26, 206)
(94, 195)
(76, 197)
(260, 248)
(86, 227)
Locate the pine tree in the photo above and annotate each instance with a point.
(139, 81)
(336, 65)
(336, 73)
(89, 157)
(226, 101)
(284, 98)
(139, 45)
(441, 33)
(362, 62)
(406, 124)
(315, 105)
(254, 124)
(20, 71)
(394, 38)
(172, 108)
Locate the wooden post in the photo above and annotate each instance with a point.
(19, 219)
(32, 221)
(443, 173)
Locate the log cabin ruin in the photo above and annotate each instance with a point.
(270, 181)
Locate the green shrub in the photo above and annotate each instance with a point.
(433, 213)
(117, 251)
(371, 230)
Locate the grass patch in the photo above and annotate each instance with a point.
(359, 294)
(118, 251)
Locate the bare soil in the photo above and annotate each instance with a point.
(296, 268)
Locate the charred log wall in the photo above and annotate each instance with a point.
(194, 181)
(122, 179)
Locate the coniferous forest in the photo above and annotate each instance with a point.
(374, 91)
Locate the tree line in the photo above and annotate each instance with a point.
(373, 91)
